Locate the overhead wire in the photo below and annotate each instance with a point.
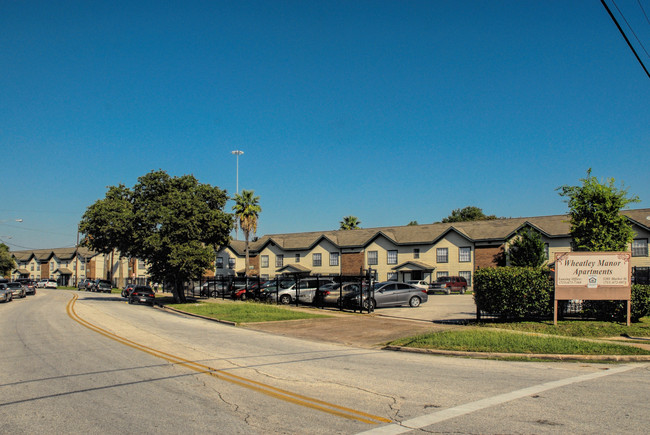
(631, 29)
(625, 37)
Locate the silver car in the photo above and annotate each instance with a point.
(17, 289)
(388, 294)
(6, 295)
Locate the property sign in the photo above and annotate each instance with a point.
(593, 276)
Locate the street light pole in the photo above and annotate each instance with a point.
(237, 153)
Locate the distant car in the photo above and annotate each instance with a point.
(308, 287)
(448, 284)
(6, 295)
(387, 294)
(41, 283)
(85, 284)
(142, 294)
(102, 285)
(51, 283)
(29, 284)
(419, 284)
(17, 289)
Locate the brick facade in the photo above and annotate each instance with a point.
(352, 264)
(490, 256)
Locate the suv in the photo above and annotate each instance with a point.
(448, 284)
(102, 285)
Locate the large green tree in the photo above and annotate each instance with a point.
(7, 263)
(596, 220)
(175, 224)
(349, 223)
(247, 210)
(527, 249)
(469, 213)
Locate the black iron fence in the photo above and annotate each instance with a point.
(335, 291)
(641, 275)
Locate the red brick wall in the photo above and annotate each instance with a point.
(491, 256)
(351, 264)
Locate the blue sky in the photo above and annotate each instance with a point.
(390, 111)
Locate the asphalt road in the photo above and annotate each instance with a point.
(98, 365)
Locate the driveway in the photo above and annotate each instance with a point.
(447, 308)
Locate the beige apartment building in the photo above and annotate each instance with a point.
(70, 265)
(423, 252)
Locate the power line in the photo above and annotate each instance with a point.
(643, 10)
(631, 29)
(625, 37)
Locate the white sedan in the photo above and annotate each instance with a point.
(419, 284)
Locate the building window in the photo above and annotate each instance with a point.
(392, 257)
(468, 277)
(640, 248)
(317, 260)
(392, 276)
(279, 260)
(32, 267)
(264, 277)
(442, 255)
(416, 253)
(334, 258)
(38, 266)
(83, 266)
(372, 258)
(441, 274)
(231, 262)
(265, 261)
(52, 265)
(465, 255)
(142, 265)
(219, 262)
(546, 251)
(297, 258)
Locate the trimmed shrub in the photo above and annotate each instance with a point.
(514, 292)
(617, 310)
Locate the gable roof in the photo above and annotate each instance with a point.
(554, 226)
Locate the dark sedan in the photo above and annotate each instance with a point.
(142, 294)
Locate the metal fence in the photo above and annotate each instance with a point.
(641, 275)
(295, 289)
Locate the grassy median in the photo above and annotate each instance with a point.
(244, 312)
(501, 341)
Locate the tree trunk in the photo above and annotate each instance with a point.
(179, 292)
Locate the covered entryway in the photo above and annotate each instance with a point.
(414, 270)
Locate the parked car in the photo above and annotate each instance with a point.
(17, 289)
(330, 294)
(387, 294)
(102, 285)
(142, 294)
(41, 283)
(6, 295)
(51, 283)
(29, 284)
(419, 284)
(308, 287)
(448, 284)
(85, 284)
(273, 290)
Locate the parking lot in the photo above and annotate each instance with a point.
(440, 307)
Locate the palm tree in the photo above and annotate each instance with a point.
(350, 223)
(247, 210)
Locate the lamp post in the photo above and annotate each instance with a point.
(237, 153)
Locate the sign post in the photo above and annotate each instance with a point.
(599, 276)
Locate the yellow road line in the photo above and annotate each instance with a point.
(260, 387)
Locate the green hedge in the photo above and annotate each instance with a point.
(514, 292)
(617, 310)
(527, 293)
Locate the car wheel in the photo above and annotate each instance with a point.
(285, 299)
(463, 290)
(130, 300)
(243, 296)
(373, 304)
(414, 301)
(448, 291)
(214, 294)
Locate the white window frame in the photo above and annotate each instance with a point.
(264, 261)
(316, 259)
(391, 256)
(440, 258)
(641, 248)
(465, 254)
(467, 274)
(334, 258)
(373, 258)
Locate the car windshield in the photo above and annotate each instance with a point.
(444, 279)
(14, 285)
(105, 282)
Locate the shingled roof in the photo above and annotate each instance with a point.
(555, 226)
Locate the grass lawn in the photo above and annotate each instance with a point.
(492, 340)
(244, 312)
(578, 328)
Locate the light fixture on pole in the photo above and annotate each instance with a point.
(237, 153)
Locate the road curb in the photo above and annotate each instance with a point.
(557, 357)
(212, 319)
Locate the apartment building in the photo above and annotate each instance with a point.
(423, 252)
